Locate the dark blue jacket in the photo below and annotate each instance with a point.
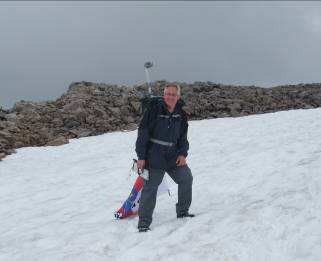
(158, 123)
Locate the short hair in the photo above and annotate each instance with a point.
(178, 88)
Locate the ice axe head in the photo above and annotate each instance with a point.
(148, 65)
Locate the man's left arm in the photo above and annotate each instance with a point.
(183, 144)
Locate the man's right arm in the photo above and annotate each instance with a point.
(143, 135)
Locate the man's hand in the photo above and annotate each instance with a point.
(140, 164)
(181, 161)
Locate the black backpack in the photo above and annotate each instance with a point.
(149, 101)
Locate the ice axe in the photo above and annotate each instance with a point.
(146, 100)
(147, 66)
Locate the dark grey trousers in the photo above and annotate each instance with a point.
(181, 175)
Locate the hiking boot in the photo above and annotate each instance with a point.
(143, 229)
(184, 215)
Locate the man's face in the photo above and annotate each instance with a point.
(171, 96)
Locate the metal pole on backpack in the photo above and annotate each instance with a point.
(147, 66)
(147, 97)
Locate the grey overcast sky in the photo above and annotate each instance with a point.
(44, 46)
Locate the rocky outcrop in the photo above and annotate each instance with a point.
(88, 109)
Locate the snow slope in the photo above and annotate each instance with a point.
(257, 196)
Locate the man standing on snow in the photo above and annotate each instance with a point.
(161, 147)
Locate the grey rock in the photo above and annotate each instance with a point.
(81, 133)
(6, 136)
(73, 106)
(3, 116)
(58, 141)
(135, 105)
(11, 116)
(2, 155)
(71, 123)
(115, 111)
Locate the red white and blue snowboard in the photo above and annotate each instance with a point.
(131, 204)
